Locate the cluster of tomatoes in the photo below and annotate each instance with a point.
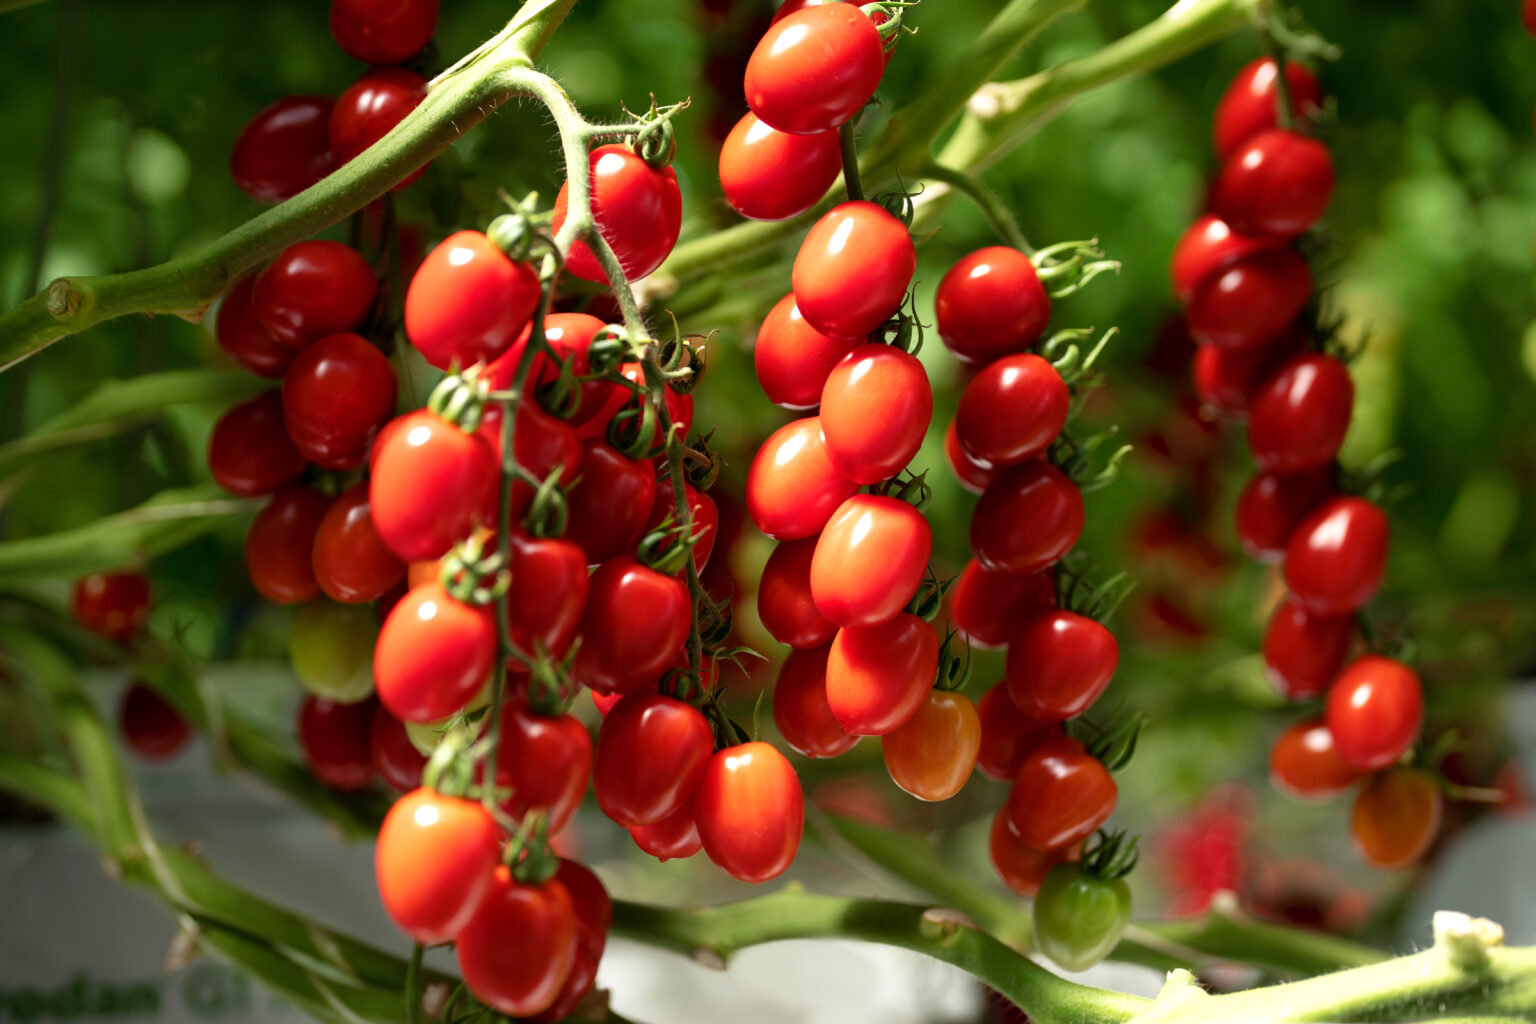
(1247, 293)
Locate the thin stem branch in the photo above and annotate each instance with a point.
(1003, 222)
(850, 150)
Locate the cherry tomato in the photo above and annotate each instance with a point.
(793, 359)
(150, 726)
(800, 708)
(1303, 652)
(675, 837)
(1304, 765)
(651, 755)
(869, 560)
(1079, 917)
(433, 654)
(750, 811)
(1228, 379)
(878, 676)
(284, 149)
(784, 601)
(853, 268)
(815, 69)
(972, 475)
(279, 545)
(112, 604)
(435, 860)
(610, 505)
(987, 606)
(331, 649)
(430, 481)
(351, 563)
(369, 108)
(792, 486)
(1207, 246)
(702, 511)
(1030, 516)
(312, 289)
(679, 407)
(335, 741)
(594, 915)
(1011, 411)
(548, 593)
(337, 395)
(467, 302)
(767, 174)
(1271, 506)
(1019, 867)
(383, 31)
(542, 443)
(1299, 418)
(635, 622)
(1337, 556)
(569, 336)
(932, 755)
(518, 949)
(395, 759)
(991, 304)
(1375, 711)
(638, 210)
(545, 760)
(1249, 105)
(1276, 183)
(875, 409)
(1528, 16)
(1060, 796)
(1008, 734)
(1059, 662)
(1396, 818)
(1252, 301)
(241, 335)
(249, 452)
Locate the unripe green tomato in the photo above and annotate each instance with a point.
(425, 736)
(331, 648)
(1078, 917)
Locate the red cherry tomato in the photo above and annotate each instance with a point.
(1337, 556)
(750, 811)
(1249, 105)
(1303, 652)
(1060, 796)
(1008, 734)
(545, 760)
(638, 210)
(875, 409)
(313, 289)
(383, 31)
(337, 394)
(351, 563)
(853, 268)
(467, 302)
(679, 407)
(869, 560)
(284, 149)
(430, 481)
(1528, 16)
(767, 174)
(1277, 183)
(792, 486)
(988, 606)
(675, 837)
(1207, 246)
(395, 758)
(702, 511)
(1299, 418)
(1271, 506)
(931, 756)
(610, 505)
(878, 676)
(1228, 379)
(1059, 663)
(433, 654)
(518, 950)
(1021, 868)
(542, 443)
(800, 708)
(1304, 765)
(635, 622)
(1375, 711)
(249, 451)
(1030, 516)
(784, 601)
(335, 741)
(1396, 818)
(651, 755)
(569, 336)
(1252, 301)
(369, 108)
(241, 335)
(1011, 411)
(435, 860)
(280, 542)
(973, 476)
(793, 359)
(150, 726)
(991, 304)
(594, 916)
(548, 593)
(815, 69)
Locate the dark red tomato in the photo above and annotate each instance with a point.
(1228, 379)
(548, 593)
(638, 210)
(383, 31)
(1208, 245)
(1059, 662)
(1030, 516)
(569, 336)
(792, 486)
(351, 563)
(279, 545)
(1250, 104)
(435, 860)
(679, 407)
(800, 708)
(675, 837)
(241, 335)
(750, 811)
(468, 301)
(878, 676)
(150, 726)
(793, 359)
(1303, 652)
(991, 304)
(701, 510)
(815, 69)
(543, 444)
(395, 758)
(772, 175)
(609, 506)
(1304, 765)
(545, 760)
(988, 606)
(1277, 183)
(1060, 796)
(1011, 411)
(590, 900)
(784, 601)
(284, 149)
(369, 108)
(1396, 818)
(1375, 711)
(875, 409)
(577, 984)
(1252, 301)
(1299, 418)
(931, 757)
(249, 451)
(635, 622)
(1528, 15)
(433, 654)
(853, 268)
(869, 560)
(430, 481)
(337, 394)
(313, 289)
(651, 755)
(973, 476)
(336, 742)
(1271, 506)
(1021, 868)
(518, 949)
(1007, 734)
(1337, 556)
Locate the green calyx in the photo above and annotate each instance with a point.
(1109, 855)
(460, 399)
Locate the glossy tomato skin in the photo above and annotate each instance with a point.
(1305, 766)
(1080, 917)
(875, 409)
(548, 593)
(150, 726)
(987, 607)
(1273, 504)
(387, 32)
(395, 759)
(853, 268)
(1011, 411)
(336, 395)
(973, 476)
(767, 174)
(1375, 711)
(312, 289)
(651, 754)
(1252, 301)
(931, 756)
(793, 359)
(1008, 734)
(679, 407)
(1059, 662)
(1304, 652)
(351, 563)
(435, 860)
(750, 811)
(279, 545)
(991, 304)
(784, 601)
(468, 301)
(1030, 516)
(702, 511)
(1249, 105)
(1277, 183)
(1396, 818)
(635, 622)
(569, 336)
(815, 69)
(609, 507)
(594, 916)
(1208, 245)
(1228, 379)
(1298, 419)
(369, 108)
(517, 951)
(1337, 555)
(792, 486)
(335, 741)
(434, 653)
(878, 676)
(800, 708)
(638, 210)
(430, 480)
(241, 335)
(1060, 796)
(1021, 868)
(284, 149)
(546, 760)
(543, 444)
(249, 451)
(869, 560)
(675, 837)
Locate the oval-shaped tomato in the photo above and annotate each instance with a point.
(1030, 516)
(878, 676)
(337, 394)
(987, 606)
(869, 560)
(548, 594)
(767, 174)
(369, 108)
(638, 210)
(853, 268)
(383, 31)
(815, 69)
(972, 475)
(675, 837)
(1303, 652)
(932, 755)
(430, 481)
(635, 622)
(312, 289)
(569, 336)
(793, 359)
(1396, 818)
(800, 708)
(330, 647)
(545, 760)
(1079, 917)
(1298, 419)
(279, 545)
(241, 335)
(395, 758)
(284, 149)
(609, 506)
(651, 755)
(542, 444)
(249, 451)
(1021, 868)
(149, 725)
(1304, 764)
(1277, 183)
(435, 860)
(1271, 506)
(1208, 245)
(875, 409)
(351, 562)
(1228, 379)
(113, 604)
(792, 486)
(784, 601)
(991, 304)
(1060, 795)
(1059, 662)
(1011, 411)
(1008, 734)
(702, 511)
(1375, 711)
(1337, 556)
(750, 811)
(1252, 301)
(594, 916)
(1250, 104)
(468, 301)
(434, 654)
(519, 947)
(335, 740)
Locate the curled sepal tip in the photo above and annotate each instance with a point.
(472, 575)
(1068, 266)
(460, 399)
(1110, 855)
